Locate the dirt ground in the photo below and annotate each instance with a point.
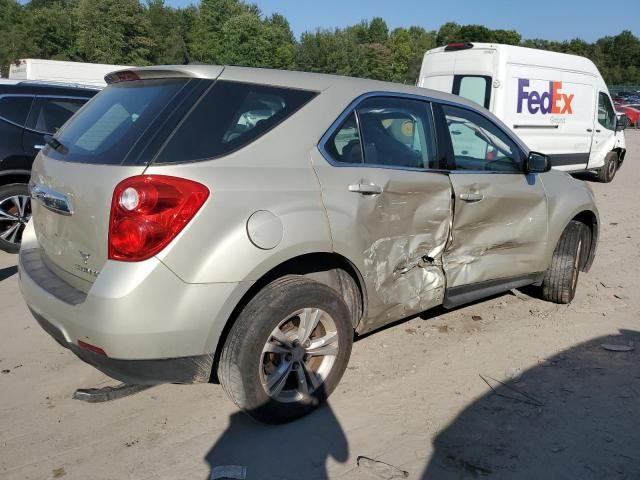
(413, 396)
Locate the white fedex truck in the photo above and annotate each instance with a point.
(60, 71)
(557, 103)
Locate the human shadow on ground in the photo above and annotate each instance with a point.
(575, 415)
(296, 450)
(7, 272)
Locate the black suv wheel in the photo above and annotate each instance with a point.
(15, 212)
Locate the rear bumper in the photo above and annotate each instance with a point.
(154, 327)
(196, 369)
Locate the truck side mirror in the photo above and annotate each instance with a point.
(537, 163)
(622, 123)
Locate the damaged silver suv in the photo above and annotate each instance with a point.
(206, 223)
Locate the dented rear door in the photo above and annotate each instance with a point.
(499, 227)
(389, 217)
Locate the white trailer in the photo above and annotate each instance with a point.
(60, 71)
(558, 104)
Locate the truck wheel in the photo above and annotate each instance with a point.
(15, 212)
(561, 279)
(609, 169)
(287, 350)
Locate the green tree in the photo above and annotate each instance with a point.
(279, 36)
(378, 31)
(113, 31)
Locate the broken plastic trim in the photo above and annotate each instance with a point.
(106, 394)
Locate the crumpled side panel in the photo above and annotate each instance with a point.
(403, 264)
(501, 236)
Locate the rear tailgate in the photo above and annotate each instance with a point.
(74, 243)
(112, 138)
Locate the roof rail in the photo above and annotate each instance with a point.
(61, 84)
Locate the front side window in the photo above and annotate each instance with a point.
(478, 144)
(473, 87)
(397, 132)
(606, 114)
(49, 114)
(15, 109)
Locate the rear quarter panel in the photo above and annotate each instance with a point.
(274, 173)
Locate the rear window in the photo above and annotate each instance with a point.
(114, 120)
(173, 121)
(230, 116)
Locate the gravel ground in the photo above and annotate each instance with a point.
(511, 387)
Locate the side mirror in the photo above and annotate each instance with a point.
(537, 163)
(622, 123)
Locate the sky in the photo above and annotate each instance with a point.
(551, 20)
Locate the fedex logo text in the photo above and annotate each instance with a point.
(551, 101)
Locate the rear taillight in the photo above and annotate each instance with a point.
(452, 47)
(148, 211)
(121, 76)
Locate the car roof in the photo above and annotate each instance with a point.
(319, 82)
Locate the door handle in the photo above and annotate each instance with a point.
(38, 147)
(471, 197)
(598, 131)
(589, 130)
(365, 189)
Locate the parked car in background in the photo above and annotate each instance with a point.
(556, 103)
(632, 112)
(28, 112)
(244, 223)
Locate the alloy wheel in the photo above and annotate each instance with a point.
(299, 355)
(15, 212)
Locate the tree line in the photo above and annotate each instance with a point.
(128, 32)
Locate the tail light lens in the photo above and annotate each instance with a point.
(148, 211)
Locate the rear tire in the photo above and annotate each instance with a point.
(609, 169)
(14, 202)
(275, 378)
(561, 279)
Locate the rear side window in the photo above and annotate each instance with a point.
(49, 114)
(15, 109)
(230, 116)
(473, 87)
(397, 133)
(114, 120)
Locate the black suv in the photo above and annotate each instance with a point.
(28, 112)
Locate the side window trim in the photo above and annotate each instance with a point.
(457, 82)
(21, 95)
(445, 139)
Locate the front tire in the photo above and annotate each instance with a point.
(561, 279)
(609, 169)
(15, 212)
(287, 350)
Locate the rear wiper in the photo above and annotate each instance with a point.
(55, 144)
